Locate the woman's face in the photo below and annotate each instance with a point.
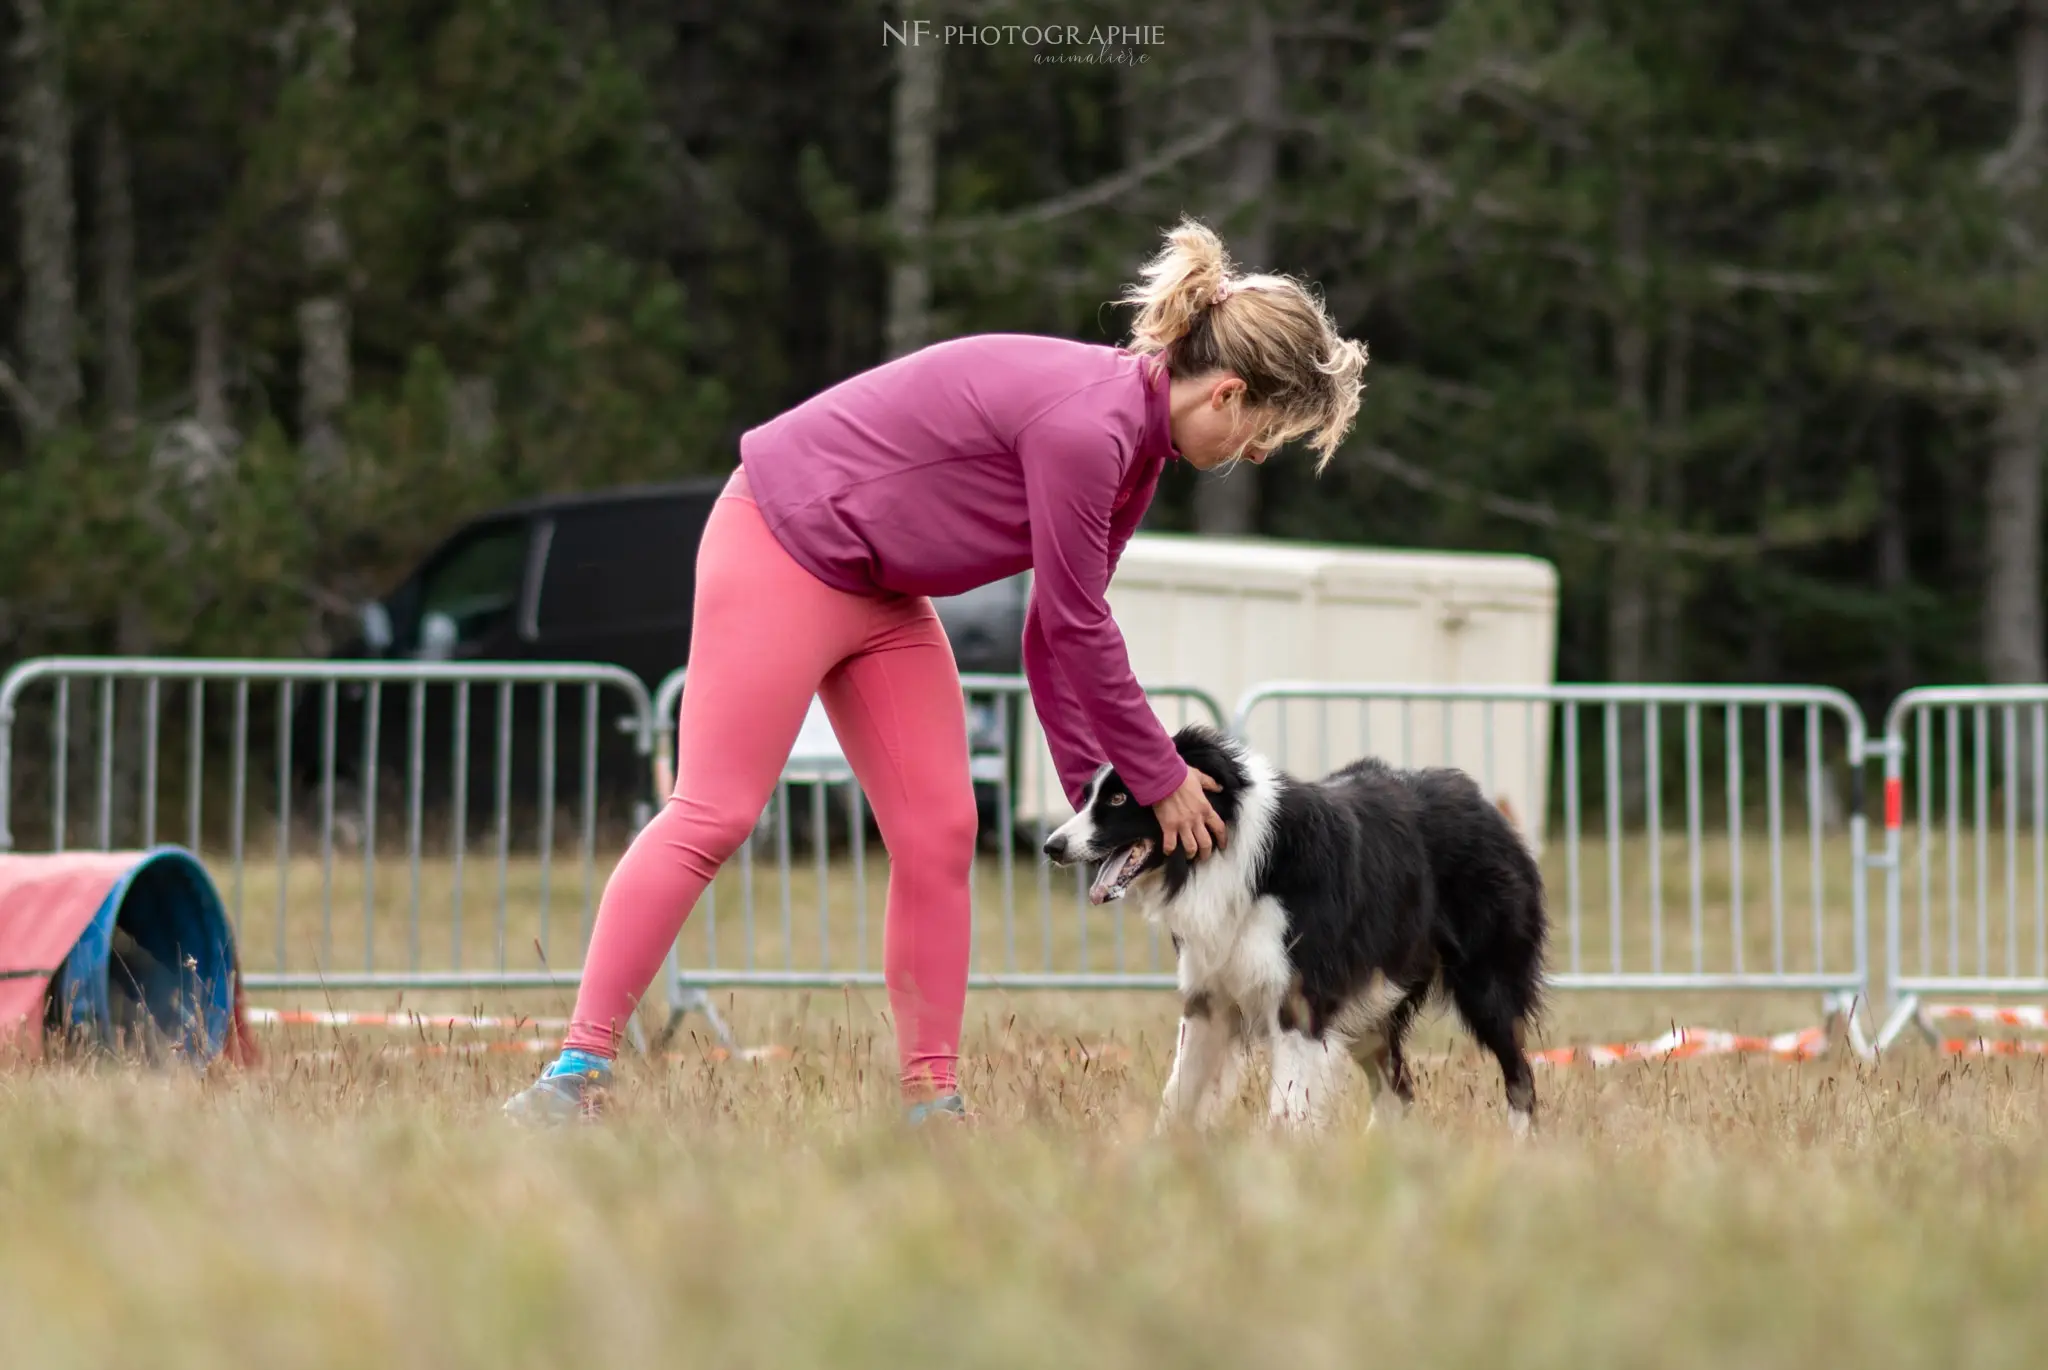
(1210, 421)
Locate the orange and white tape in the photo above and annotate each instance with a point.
(528, 1046)
(344, 1018)
(1992, 1046)
(475, 1023)
(1686, 1043)
(2021, 1015)
(2030, 1016)
(525, 1046)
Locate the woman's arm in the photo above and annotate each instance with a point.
(1075, 753)
(1072, 471)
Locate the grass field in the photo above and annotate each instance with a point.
(357, 1201)
(371, 1210)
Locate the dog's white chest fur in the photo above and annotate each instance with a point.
(1232, 944)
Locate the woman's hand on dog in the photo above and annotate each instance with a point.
(1187, 821)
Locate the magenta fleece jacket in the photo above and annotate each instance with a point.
(974, 459)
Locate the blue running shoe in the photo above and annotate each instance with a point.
(570, 1090)
(951, 1108)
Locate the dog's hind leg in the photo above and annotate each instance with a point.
(1485, 1009)
(1207, 1053)
(1380, 1054)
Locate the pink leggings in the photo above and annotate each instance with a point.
(768, 636)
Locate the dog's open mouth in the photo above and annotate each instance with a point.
(1115, 875)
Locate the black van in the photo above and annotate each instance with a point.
(606, 577)
(602, 577)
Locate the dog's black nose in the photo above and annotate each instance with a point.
(1056, 847)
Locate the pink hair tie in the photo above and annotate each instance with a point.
(1222, 294)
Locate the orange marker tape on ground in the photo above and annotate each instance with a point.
(1992, 1046)
(342, 1018)
(1686, 1043)
(2023, 1015)
(528, 1046)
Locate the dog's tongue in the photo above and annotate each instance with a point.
(1114, 876)
(1105, 879)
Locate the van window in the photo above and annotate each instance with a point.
(475, 582)
(620, 567)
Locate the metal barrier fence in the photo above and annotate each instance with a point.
(1693, 838)
(1706, 870)
(1964, 914)
(1033, 927)
(352, 742)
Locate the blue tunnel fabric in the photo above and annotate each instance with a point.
(168, 904)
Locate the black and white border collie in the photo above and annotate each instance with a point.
(1324, 923)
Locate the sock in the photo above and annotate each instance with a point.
(951, 1103)
(574, 1062)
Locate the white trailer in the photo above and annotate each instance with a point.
(1225, 615)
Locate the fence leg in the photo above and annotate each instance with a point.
(1846, 1006)
(1905, 1012)
(1928, 1031)
(683, 999)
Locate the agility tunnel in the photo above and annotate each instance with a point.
(126, 951)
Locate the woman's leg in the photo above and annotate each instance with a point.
(765, 633)
(897, 710)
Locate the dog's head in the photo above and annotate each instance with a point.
(1123, 836)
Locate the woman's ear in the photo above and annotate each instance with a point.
(1227, 390)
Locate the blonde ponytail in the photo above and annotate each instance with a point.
(1180, 284)
(1272, 332)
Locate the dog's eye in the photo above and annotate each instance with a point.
(1116, 800)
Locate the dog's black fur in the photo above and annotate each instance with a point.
(1407, 874)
